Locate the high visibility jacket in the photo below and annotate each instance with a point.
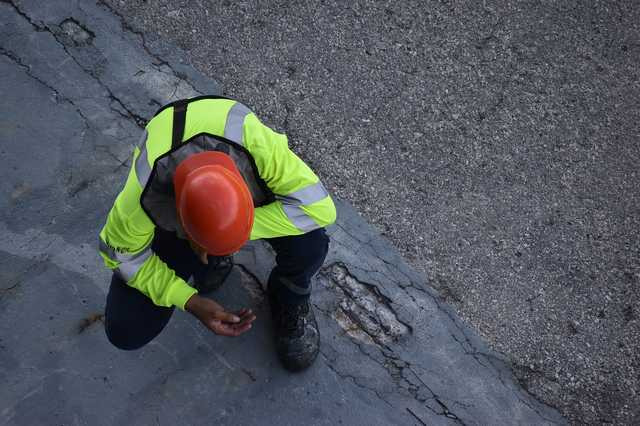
(288, 196)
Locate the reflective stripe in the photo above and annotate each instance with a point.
(115, 255)
(143, 171)
(129, 263)
(143, 139)
(302, 291)
(299, 218)
(235, 121)
(108, 250)
(307, 195)
(129, 268)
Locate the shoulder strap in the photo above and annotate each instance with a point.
(197, 98)
(179, 117)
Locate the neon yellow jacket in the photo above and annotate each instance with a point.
(302, 204)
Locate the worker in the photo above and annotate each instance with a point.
(206, 177)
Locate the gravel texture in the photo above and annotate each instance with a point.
(495, 143)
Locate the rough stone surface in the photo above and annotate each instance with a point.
(495, 143)
(77, 85)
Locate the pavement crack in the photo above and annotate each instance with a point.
(81, 186)
(364, 305)
(391, 267)
(365, 308)
(128, 114)
(27, 69)
(367, 242)
(473, 352)
(37, 27)
(158, 62)
(394, 366)
(353, 379)
(466, 344)
(416, 416)
(384, 273)
(8, 289)
(395, 267)
(446, 411)
(120, 163)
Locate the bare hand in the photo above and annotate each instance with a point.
(216, 319)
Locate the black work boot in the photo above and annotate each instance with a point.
(216, 273)
(296, 332)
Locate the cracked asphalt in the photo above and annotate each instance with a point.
(77, 83)
(494, 143)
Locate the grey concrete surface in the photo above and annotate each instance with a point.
(77, 87)
(495, 143)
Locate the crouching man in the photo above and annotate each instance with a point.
(206, 177)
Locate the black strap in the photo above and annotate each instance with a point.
(179, 117)
(197, 98)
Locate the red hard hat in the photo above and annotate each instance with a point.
(213, 202)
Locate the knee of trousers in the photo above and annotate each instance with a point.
(123, 339)
(303, 259)
(314, 249)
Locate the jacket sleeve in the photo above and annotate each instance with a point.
(302, 202)
(125, 246)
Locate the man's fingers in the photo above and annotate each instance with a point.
(234, 318)
(248, 319)
(238, 329)
(227, 323)
(225, 331)
(226, 317)
(229, 330)
(244, 313)
(220, 328)
(246, 316)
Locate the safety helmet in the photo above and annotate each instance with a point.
(213, 202)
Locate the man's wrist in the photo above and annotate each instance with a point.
(193, 303)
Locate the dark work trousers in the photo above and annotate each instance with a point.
(132, 320)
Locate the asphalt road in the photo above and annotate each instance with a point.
(494, 143)
(76, 86)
